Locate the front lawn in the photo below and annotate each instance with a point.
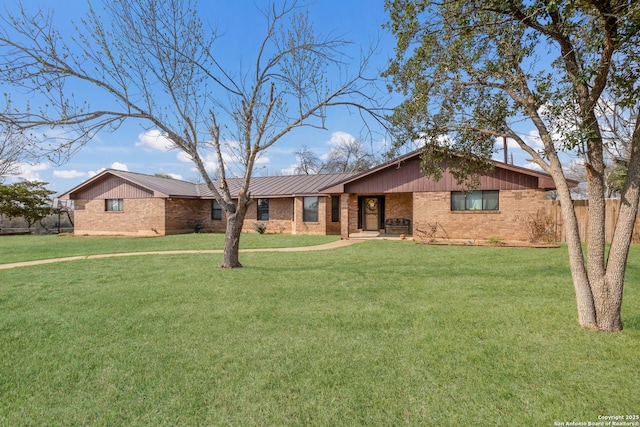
(32, 247)
(376, 334)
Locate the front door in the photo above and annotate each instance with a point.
(371, 213)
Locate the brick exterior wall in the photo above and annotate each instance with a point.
(353, 214)
(140, 217)
(433, 217)
(280, 216)
(399, 205)
(301, 227)
(179, 211)
(430, 214)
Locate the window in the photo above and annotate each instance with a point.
(114, 205)
(335, 208)
(263, 209)
(310, 213)
(216, 210)
(474, 200)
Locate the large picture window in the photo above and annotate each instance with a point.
(310, 213)
(486, 200)
(114, 205)
(216, 211)
(263, 209)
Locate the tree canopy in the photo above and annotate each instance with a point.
(475, 71)
(30, 200)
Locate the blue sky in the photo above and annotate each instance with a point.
(136, 148)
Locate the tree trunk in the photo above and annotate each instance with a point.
(232, 237)
(584, 297)
(610, 319)
(622, 236)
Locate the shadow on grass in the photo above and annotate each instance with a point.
(632, 323)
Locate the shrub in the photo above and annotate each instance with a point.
(260, 227)
(196, 225)
(495, 241)
(540, 228)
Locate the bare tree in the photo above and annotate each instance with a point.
(154, 61)
(12, 150)
(349, 156)
(308, 162)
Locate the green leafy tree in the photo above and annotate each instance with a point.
(474, 71)
(157, 63)
(30, 200)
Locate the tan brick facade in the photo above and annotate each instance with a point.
(319, 227)
(430, 214)
(433, 217)
(399, 205)
(280, 216)
(139, 217)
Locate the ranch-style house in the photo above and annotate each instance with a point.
(393, 198)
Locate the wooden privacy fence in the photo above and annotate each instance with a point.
(553, 214)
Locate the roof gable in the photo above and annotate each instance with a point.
(113, 183)
(404, 174)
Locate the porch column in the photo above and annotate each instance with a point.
(344, 216)
(297, 215)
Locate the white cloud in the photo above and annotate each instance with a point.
(339, 137)
(231, 160)
(154, 139)
(114, 165)
(29, 172)
(291, 170)
(91, 174)
(532, 139)
(68, 174)
(175, 175)
(119, 166)
(184, 157)
(263, 160)
(533, 166)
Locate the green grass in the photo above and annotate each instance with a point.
(376, 334)
(29, 248)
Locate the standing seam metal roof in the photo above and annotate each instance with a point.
(266, 187)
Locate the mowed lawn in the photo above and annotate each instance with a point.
(375, 334)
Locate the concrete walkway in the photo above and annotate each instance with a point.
(326, 246)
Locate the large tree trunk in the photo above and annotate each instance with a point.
(610, 319)
(232, 237)
(581, 285)
(584, 297)
(622, 236)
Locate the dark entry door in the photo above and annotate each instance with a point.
(371, 214)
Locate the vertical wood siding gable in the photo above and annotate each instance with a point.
(407, 178)
(114, 187)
